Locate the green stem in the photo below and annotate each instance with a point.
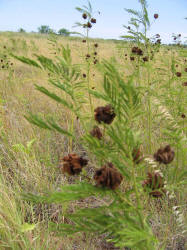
(88, 71)
(137, 197)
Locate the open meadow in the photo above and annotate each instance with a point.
(93, 144)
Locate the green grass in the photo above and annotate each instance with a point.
(30, 156)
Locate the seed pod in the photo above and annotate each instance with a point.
(87, 56)
(137, 155)
(108, 176)
(164, 155)
(155, 16)
(84, 15)
(145, 59)
(132, 58)
(185, 69)
(72, 164)
(134, 50)
(183, 116)
(104, 114)
(155, 182)
(178, 74)
(184, 84)
(84, 75)
(139, 52)
(93, 20)
(96, 45)
(96, 132)
(158, 41)
(84, 41)
(89, 25)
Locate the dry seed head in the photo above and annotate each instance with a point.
(164, 155)
(108, 176)
(155, 16)
(84, 15)
(73, 164)
(178, 74)
(104, 114)
(155, 182)
(96, 132)
(89, 25)
(93, 20)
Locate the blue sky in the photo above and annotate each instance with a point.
(30, 14)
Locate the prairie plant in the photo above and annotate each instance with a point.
(112, 141)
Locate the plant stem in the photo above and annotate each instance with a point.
(88, 71)
(137, 196)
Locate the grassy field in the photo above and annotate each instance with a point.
(30, 155)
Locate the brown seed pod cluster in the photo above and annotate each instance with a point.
(178, 74)
(145, 59)
(154, 182)
(137, 51)
(132, 58)
(185, 69)
(183, 116)
(73, 164)
(164, 155)
(137, 155)
(91, 21)
(96, 132)
(108, 176)
(104, 114)
(184, 84)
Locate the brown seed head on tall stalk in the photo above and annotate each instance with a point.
(155, 16)
(72, 164)
(164, 155)
(84, 15)
(154, 182)
(96, 132)
(93, 20)
(104, 114)
(137, 155)
(178, 74)
(108, 176)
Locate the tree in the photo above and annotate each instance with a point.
(63, 32)
(44, 29)
(21, 30)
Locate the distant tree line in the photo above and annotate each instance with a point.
(45, 29)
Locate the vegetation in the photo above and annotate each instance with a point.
(63, 32)
(93, 140)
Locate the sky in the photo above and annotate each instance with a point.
(30, 14)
